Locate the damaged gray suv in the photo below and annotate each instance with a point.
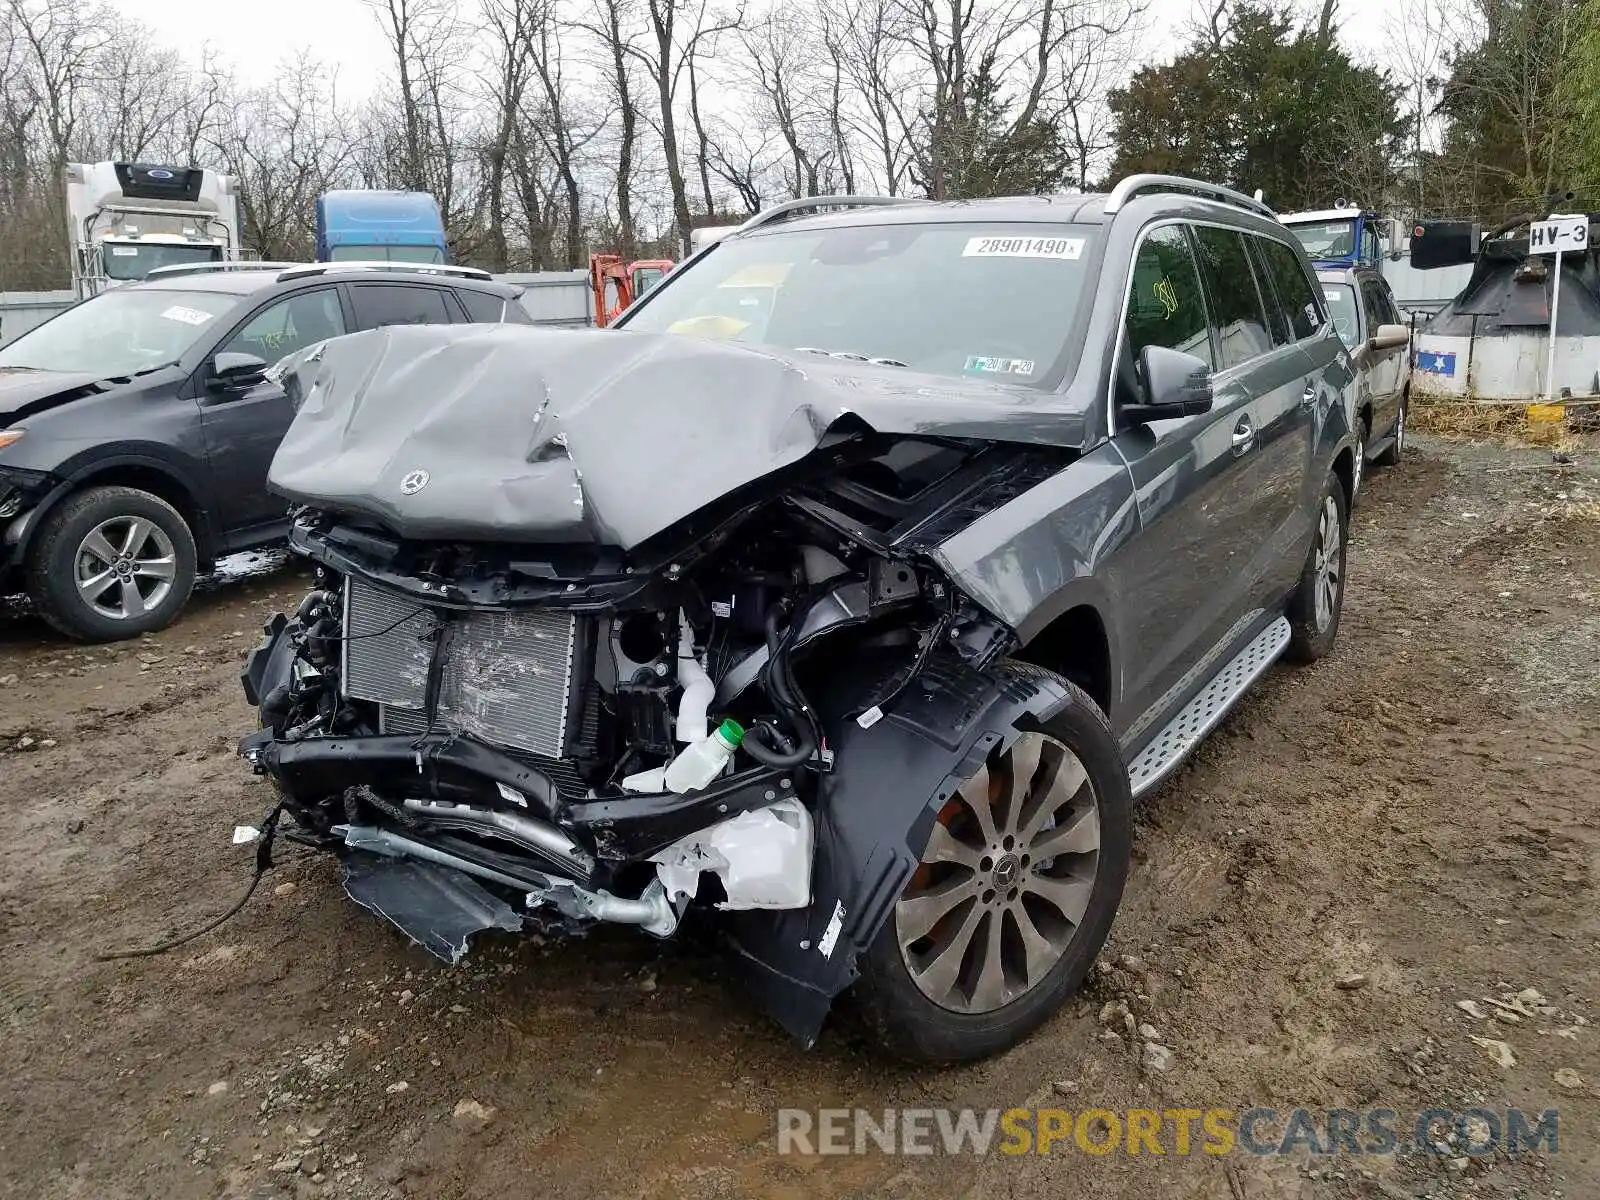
(848, 590)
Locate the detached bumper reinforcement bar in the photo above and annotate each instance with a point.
(460, 770)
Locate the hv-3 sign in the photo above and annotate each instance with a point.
(1559, 235)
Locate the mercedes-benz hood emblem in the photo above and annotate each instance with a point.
(413, 483)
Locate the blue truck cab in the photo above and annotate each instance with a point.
(376, 226)
(1342, 237)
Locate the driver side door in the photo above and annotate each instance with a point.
(244, 425)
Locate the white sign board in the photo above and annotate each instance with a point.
(1558, 235)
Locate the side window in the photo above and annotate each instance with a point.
(1293, 286)
(481, 306)
(290, 324)
(1166, 306)
(1392, 314)
(391, 304)
(1373, 301)
(1237, 313)
(1277, 318)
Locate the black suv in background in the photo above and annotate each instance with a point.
(136, 428)
(946, 528)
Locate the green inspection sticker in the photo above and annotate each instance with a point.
(999, 366)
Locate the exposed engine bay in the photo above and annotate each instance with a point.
(509, 713)
(537, 685)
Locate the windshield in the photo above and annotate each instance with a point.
(405, 254)
(1327, 239)
(983, 300)
(1341, 298)
(135, 260)
(119, 332)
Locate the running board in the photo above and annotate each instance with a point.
(1202, 714)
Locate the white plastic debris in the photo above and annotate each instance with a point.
(651, 781)
(763, 858)
(245, 834)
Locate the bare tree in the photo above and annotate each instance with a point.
(286, 144)
(62, 40)
(674, 31)
(614, 26)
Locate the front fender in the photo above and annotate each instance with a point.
(85, 469)
(874, 814)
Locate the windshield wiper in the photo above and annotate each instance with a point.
(852, 356)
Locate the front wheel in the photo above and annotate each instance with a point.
(1319, 599)
(1013, 898)
(112, 563)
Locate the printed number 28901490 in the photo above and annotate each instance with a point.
(1023, 247)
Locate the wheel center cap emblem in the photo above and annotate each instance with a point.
(413, 483)
(1005, 871)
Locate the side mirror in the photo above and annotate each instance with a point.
(234, 372)
(1388, 337)
(1177, 384)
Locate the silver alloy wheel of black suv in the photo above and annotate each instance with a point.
(110, 563)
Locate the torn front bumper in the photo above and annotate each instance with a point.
(865, 821)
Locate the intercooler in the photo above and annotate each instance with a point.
(504, 677)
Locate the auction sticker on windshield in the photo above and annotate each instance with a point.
(189, 316)
(1023, 247)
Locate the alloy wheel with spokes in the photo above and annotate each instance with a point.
(1006, 878)
(111, 562)
(1328, 568)
(125, 567)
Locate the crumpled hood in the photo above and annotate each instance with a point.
(506, 433)
(22, 388)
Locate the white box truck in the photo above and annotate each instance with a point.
(126, 219)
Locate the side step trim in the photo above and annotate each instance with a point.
(1202, 714)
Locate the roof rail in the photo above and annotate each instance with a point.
(768, 215)
(1133, 185)
(204, 268)
(322, 268)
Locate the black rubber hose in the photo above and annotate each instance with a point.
(757, 749)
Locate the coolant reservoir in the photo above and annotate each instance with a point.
(701, 762)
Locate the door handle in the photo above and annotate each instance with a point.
(1244, 436)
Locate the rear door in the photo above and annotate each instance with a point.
(374, 305)
(243, 429)
(1260, 358)
(1300, 325)
(1184, 570)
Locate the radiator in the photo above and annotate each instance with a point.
(504, 677)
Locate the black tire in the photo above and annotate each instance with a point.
(911, 1026)
(1311, 636)
(53, 566)
(1395, 450)
(1358, 472)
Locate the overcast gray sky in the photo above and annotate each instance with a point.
(345, 32)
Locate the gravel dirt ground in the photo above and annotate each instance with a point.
(1418, 810)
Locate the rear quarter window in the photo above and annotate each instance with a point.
(483, 307)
